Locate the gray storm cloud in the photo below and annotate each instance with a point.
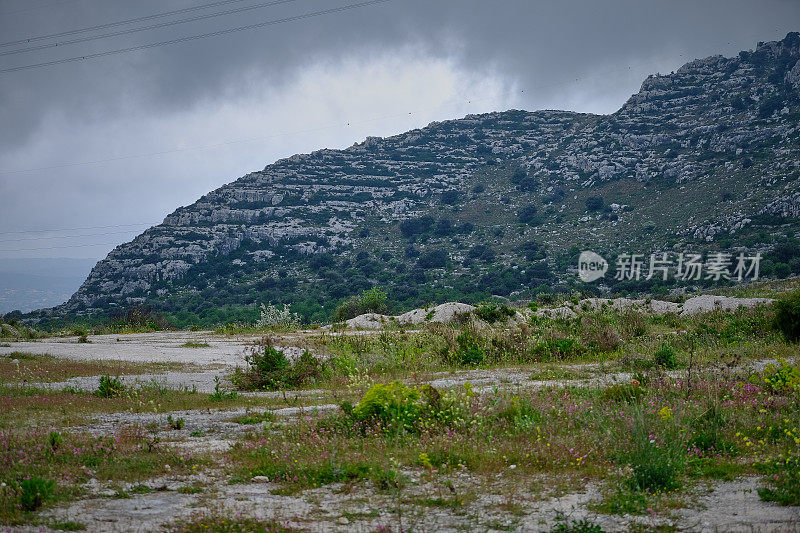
(199, 114)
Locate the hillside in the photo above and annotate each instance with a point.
(705, 158)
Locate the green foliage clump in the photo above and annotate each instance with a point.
(575, 526)
(175, 423)
(220, 394)
(657, 458)
(393, 405)
(782, 477)
(109, 387)
(470, 351)
(665, 357)
(55, 440)
(33, 492)
(373, 300)
(707, 431)
(782, 377)
(558, 349)
(622, 392)
(269, 369)
(787, 316)
(492, 313)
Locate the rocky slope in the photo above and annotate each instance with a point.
(704, 158)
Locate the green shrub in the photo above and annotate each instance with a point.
(371, 301)
(269, 369)
(575, 526)
(622, 392)
(665, 357)
(782, 378)
(394, 405)
(782, 477)
(470, 351)
(55, 440)
(656, 460)
(492, 313)
(33, 492)
(220, 394)
(787, 316)
(175, 423)
(707, 431)
(558, 349)
(621, 502)
(109, 387)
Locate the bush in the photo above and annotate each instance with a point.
(622, 392)
(558, 349)
(656, 461)
(109, 387)
(782, 378)
(273, 316)
(269, 369)
(665, 357)
(492, 313)
(470, 352)
(782, 477)
(34, 492)
(594, 203)
(395, 406)
(373, 300)
(527, 214)
(433, 258)
(787, 316)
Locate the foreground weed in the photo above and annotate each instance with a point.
(226, 522)
(782, 477)
(33, 492)
(564, 525)
(109, 387)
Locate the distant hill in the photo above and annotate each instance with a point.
(28, 284)
(705, 158)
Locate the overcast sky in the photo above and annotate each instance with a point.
(94, 151)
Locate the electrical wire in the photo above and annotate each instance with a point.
(26, 239)
(77, 229)
(146, 28)
(195, 37)
(117, 23)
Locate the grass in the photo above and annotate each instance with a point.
(192, 344)
(571, 430)
(36, 474)
(693, 411)
(219, 521)
(45, 368)
(66, 408)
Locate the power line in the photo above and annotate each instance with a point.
(60, 247)
(146, 28)
(78, 229)
(115, 24)
(26, 239)
(195, 37)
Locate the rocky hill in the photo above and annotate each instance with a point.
(705, 158)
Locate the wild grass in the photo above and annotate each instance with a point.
(35, 473)
(44, 368)
(625, 340)
(651, 443)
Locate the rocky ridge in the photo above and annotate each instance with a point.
(487, 204)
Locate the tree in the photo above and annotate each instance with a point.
(527, 214)
(594, 203)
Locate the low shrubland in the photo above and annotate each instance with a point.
(649, 441)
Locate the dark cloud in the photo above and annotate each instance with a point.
(585, 55)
